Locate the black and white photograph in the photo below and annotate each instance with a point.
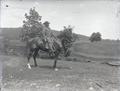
(59, 45)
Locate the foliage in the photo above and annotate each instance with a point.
(95, 37)
(31, 25)
(67, 39)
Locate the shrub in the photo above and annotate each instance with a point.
(95, 37)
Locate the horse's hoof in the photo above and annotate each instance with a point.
(29, 66)
(35, 65)
(56, 69)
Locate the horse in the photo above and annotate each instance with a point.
(36, 44)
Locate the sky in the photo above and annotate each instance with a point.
(85, 16)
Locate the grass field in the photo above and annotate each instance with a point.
(84, 70)
(71, 76)
(100, 48)
(104, 48)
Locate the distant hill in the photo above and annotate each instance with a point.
(13, 33)
(82, 47)
(10, 33)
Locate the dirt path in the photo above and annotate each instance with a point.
(71, 76)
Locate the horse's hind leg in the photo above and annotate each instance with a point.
(55, 61)
(34, 56)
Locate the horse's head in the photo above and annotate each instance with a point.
(66, 46)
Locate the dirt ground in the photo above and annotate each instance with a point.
(70, 76)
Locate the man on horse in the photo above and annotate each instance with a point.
(48, 37)
(38, 36)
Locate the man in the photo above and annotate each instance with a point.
(48, 36)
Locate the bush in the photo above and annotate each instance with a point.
(95, 37)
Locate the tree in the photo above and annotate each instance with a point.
(31, 25)
(95, 37)
(67, 39)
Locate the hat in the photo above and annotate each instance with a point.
(46, 22)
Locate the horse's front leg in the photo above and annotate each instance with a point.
(57, 53)
(55, 62)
